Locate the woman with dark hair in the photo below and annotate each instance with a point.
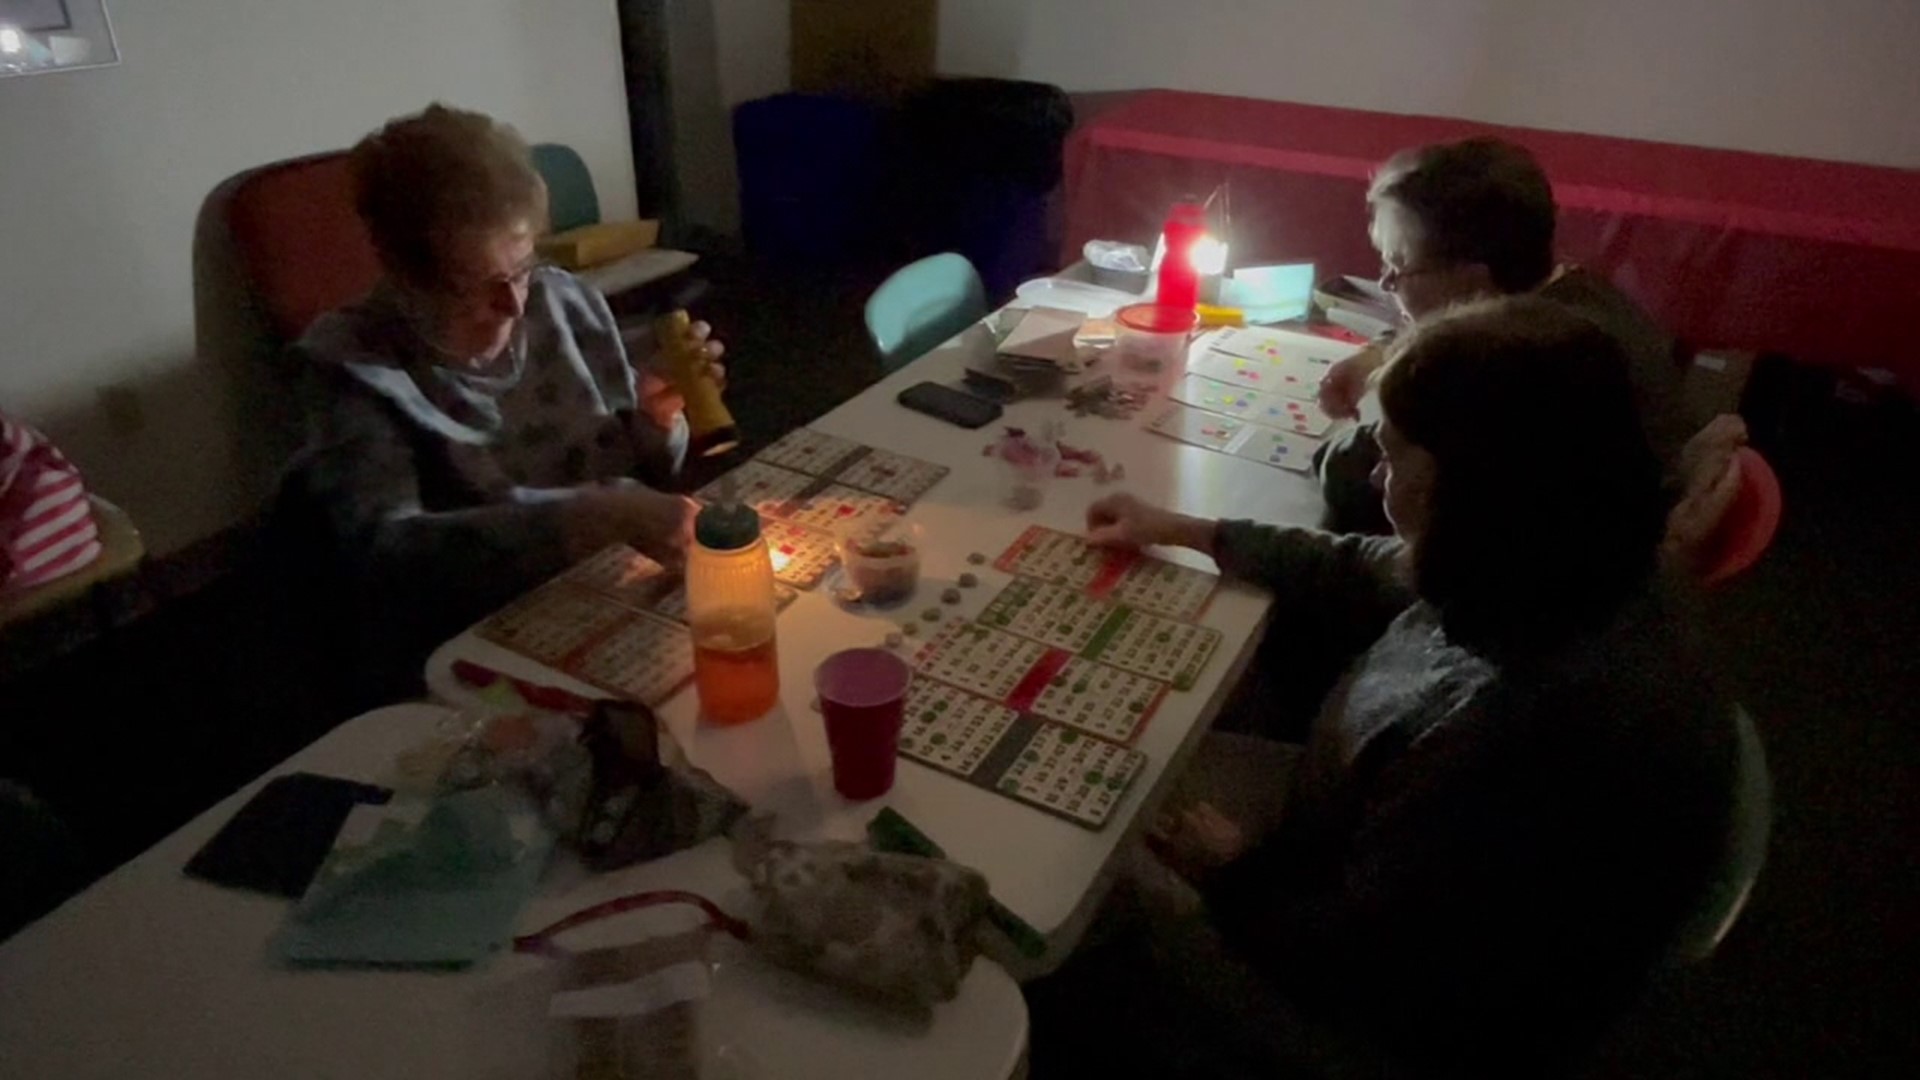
(1520, 784)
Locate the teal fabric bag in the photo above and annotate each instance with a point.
(407, 888)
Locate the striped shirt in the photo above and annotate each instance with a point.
(46, 525)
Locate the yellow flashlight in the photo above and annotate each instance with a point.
(686, 365)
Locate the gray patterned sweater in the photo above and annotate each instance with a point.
(443, 489)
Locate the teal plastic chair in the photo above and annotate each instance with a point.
(923, 304)
(571, 201)
(1749, 827)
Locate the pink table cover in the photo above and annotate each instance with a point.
(1819, 260)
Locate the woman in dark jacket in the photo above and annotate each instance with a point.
(1519, 787)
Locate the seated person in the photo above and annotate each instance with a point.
(1519, 787)
(479, 426)
(1471, 220)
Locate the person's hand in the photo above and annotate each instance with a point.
(658, 523)
(661, 524)
(1346, 382)
(1708, 451)
(660, 400)
(1712, 478)
(1196, 839)
(1125, 522)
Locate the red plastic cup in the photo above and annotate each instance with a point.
(863, 696)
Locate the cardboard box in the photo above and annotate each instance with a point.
(873, 49)
(592, 245)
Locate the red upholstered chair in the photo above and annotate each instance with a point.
(1751, 521)
(301, 247)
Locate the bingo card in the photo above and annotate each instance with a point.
(1115, 634)
(596, 639)
(801, 557)
(640, 583)
(879, 472)
(1044, 765)
(1130, 577)
(842, 511)
(1050, 683)
(766, 488)
(1272, 410)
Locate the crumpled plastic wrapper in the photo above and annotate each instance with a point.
(614, 790)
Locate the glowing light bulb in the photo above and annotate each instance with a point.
(1209, 256)
(10, 40)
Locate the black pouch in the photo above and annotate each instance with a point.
(640, 808)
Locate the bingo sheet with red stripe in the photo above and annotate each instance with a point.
(616, 620)
(1018, 755)
(1050, 683)
(596, 639)
(1129, 577)
(1169, 650)
(631, 578)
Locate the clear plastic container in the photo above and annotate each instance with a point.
(1153, 338)
(884, 568)
(1026, 464)
(731, 609)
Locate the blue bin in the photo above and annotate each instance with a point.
(808, 171)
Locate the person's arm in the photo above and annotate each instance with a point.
(363, 475)
(618, 365)
(1709, 476)
(662, 405)
(1350, 377)
(1320, 570)
(1345, 585)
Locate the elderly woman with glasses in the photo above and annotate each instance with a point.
(1471, 220)
(481, 425)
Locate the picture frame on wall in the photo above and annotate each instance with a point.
(39, 36)
(36, 16)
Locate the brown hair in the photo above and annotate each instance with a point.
(1546, 510)
(1480, 201)
(440, 173)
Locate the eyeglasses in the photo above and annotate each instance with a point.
(1391, 276)
(481, 290)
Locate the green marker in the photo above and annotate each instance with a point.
(888, 831)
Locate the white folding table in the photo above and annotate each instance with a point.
(154, 975)
(1050, 872)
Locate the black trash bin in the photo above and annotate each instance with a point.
(977, 163)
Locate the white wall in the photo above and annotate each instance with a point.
(102, 173)
(1835, 79)
(722, 52)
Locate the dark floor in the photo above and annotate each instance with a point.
(136, 733)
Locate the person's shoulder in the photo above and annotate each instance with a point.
(565, 312)
(362, 332)
(1438, 687)
(1606, 304)
(554, 285)
(1640, 683)
(1591, 294)
(561, 304)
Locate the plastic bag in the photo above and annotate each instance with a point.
(899, 928)
(611, 787)
(633, 1010)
